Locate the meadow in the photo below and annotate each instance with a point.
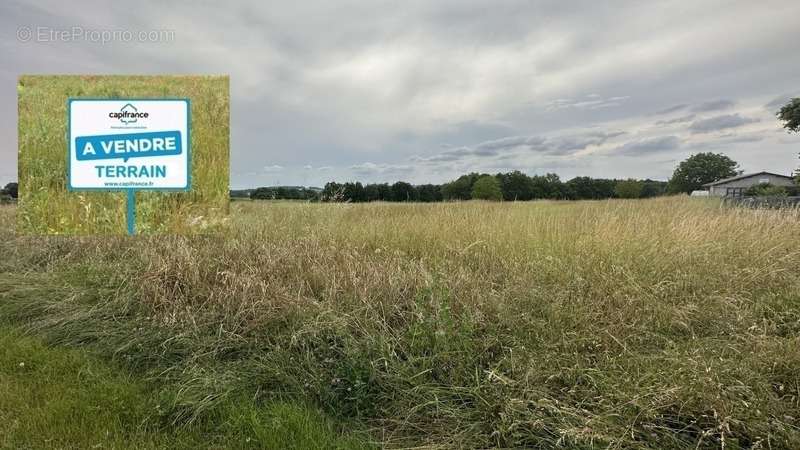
(665, 323)
(47, 207)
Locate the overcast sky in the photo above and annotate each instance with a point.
(424, 91)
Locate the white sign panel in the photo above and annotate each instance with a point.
(129, 144)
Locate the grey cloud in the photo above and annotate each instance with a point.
(682, 119)
(671, 109)
(369, 168)
(649, 145)
(714, 105)
(484, 149)
(573, 143)
(745, 139)
(497, 145)
(591, 101)
(726, 141)
(775, 104)
(447, 156)
(556, 145)
(722, 122)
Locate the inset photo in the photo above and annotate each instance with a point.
(123, 154)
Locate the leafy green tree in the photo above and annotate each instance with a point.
(700, 169)
(583, 188)
(429, 193)
(378, 192)
(653, 188)
(241, 193)
(333, 192)
(403, 192)
(604, 188)
(461, 188)
(790, 116)
(548, 186)
(385, 192)
(354, 192)
(487, 188)
(12, 189)
(283, 193)
(372, 192)
(515, 185)
(262, 193)
(629, 189)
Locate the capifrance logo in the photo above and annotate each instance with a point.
(128, 114)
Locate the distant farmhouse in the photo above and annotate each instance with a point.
(736, 186)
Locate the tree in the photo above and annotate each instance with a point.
(262, 193)
(429, 193)
(12, 189)
(790, 116)
(652, 188)
(700, 169)
(461, 188)
(629, 189)
(582, 188)
(604, 187)
(547, 186)
(403, 192)
(385, 192)
(333, 192)
(378, 192)
(282, 193)
(354, 192)
(487, 188)
(515, 185)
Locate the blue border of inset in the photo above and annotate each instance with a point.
(161, 99)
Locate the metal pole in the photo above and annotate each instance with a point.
(131, 211)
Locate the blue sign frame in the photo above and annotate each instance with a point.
(186, 188)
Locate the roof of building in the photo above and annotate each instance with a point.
(745, 175)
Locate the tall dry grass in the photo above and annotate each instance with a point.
(664, 323)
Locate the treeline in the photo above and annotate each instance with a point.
(509, 186)
(9, 192)
(285, 193)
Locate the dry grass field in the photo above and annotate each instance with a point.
(663, 323)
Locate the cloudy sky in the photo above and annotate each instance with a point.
(427, 90)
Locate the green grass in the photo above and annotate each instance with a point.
(62, 399)
(668, 323)
(45, 205)
(57, 398)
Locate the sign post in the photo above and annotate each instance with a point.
(131, 206)
(128, 145)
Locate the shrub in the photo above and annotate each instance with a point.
(766, 190)
(487, 188)
(628, 189)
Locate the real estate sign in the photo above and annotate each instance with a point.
(129, 144)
